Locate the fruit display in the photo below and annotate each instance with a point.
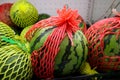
(38, 46)
(104, 44)
(23, 13)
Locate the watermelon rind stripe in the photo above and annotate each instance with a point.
(70, 58)
(38, 39)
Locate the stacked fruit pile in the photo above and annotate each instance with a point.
(54, 46)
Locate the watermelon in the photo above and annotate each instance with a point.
(15, 63)
(69, 58)
(7, 31)
(23, 13)
(43, 16)
(5, 17)
(24, 31)
(58, 46)
(5, 14)
(104, 44)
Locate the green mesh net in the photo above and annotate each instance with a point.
(5, 30)
(15, 64)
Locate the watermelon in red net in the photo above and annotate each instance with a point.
(58, 46)
(104, 44)
(5, 13)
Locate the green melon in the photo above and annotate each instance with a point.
(23, 13)
(24, 31)
(5, 30)
(15, 63)
(43, 16)
(69, 58)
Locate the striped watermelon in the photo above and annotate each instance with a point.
(104, 44)
(58, 46)
(69, 58)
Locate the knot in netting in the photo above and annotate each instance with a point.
(66, 18)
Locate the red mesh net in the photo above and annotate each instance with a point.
(43, 59)
(83, 26)
(95, 36)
